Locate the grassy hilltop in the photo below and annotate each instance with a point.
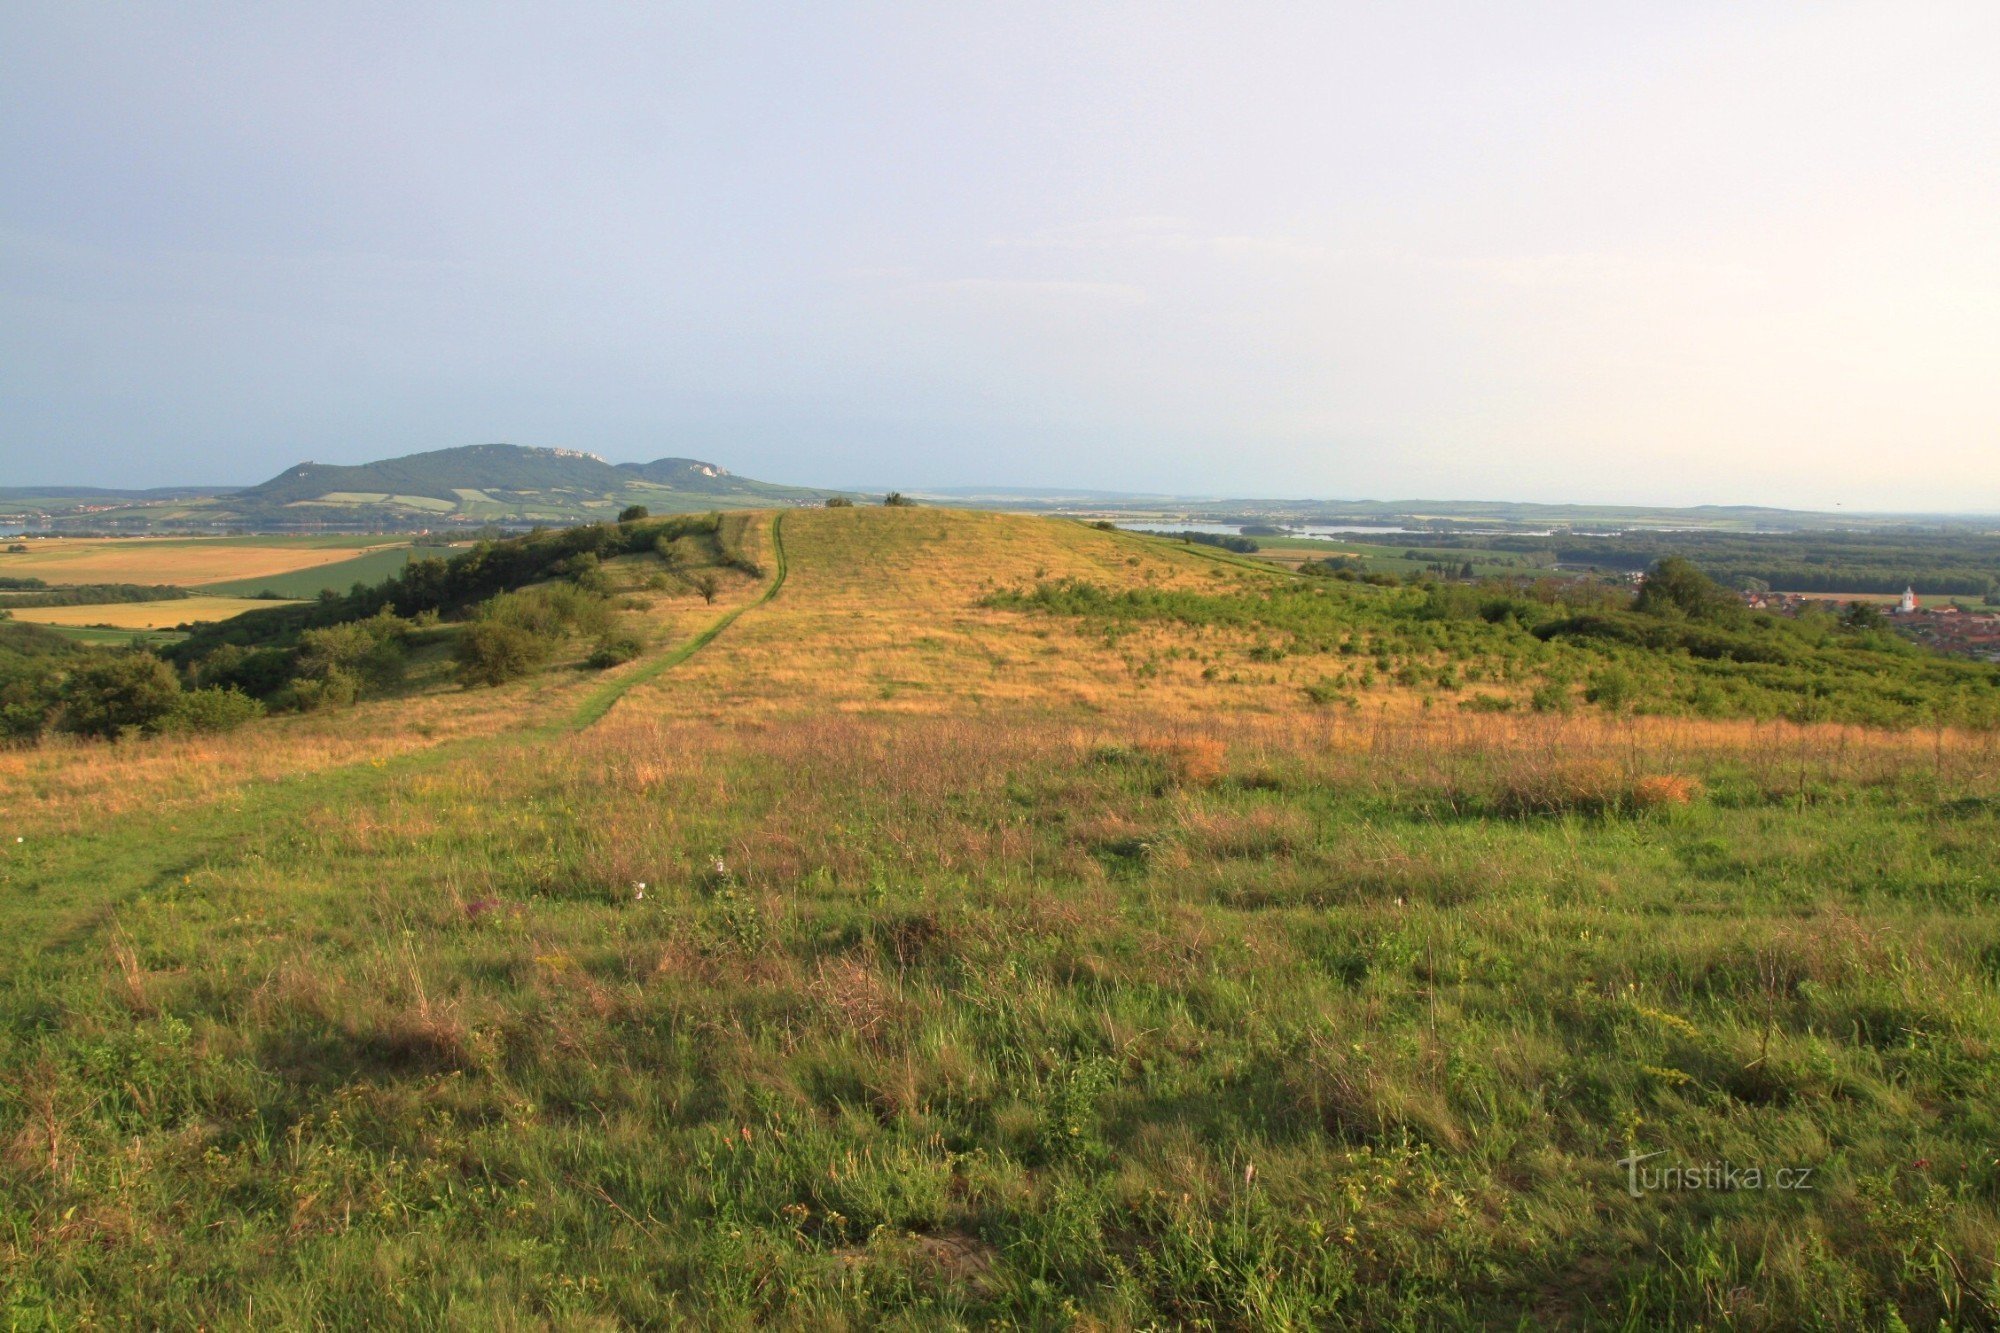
(909, 917)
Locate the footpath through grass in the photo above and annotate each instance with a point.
(600, 701)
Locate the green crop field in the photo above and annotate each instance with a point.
(915, 918)
(372, 567)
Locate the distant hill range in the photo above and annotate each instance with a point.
(504, 484)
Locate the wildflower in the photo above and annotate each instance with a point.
(721, 867)
(638, 890)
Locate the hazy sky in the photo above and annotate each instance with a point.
(1671, 253)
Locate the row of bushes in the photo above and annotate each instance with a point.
(451, 587)
(520, 599)
(34, 592)
(48, 684)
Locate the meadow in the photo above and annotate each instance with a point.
(950, 919)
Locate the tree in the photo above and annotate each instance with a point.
(706, 585)
(117, 692)
(1863, 615)
(839, 502)
(1675, 588)
(633, 513)
(898, 500)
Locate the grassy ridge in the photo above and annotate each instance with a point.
(600, 701)
(1080, 996)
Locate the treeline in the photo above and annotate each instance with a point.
(448, 587)
(1241, 545)
(51, 684)
(34, 592)
(331, 652)
(1959, 565)
(517, 602)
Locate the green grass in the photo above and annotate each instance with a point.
(305, 584)
(1177, 1055)
(1030, 1017)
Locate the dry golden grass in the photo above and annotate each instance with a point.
(880, 615)
(144, 615)
(178, 560)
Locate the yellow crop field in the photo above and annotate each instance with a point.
(144, 615)
(167, 560)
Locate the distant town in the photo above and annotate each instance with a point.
(1947, 628)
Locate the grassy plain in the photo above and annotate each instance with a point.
(188, 561)
(142, 615)
(900, 959)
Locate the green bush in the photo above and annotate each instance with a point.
(337, 688)
(1613, 689)
(634, 513)
(210, 710)
(493, 652)
(118, 692)
(615, 649)
(550, 610)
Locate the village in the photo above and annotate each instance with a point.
(1948, 628)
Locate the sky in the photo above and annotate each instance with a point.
(1597, 252)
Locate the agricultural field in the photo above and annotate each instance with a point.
(922, 918)
(190, 562)
(140, 615)
(372, 566)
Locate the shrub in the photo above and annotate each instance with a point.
(1559, 787)
(616, 648)
(550, 610)
(370, 651)
(337, 688)
(1613, 689)
(1665, 790)
(898, 500)
(117, 692)
(839, 502)
(634, 513)
(1189, 763)
(1552, 696)
(494, 651)
(209, 710)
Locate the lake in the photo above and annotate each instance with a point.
(1235, 530)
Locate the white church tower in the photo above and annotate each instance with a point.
(1909, 602)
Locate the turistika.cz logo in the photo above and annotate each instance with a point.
(1715, 1177)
